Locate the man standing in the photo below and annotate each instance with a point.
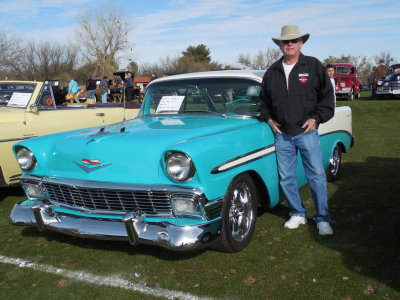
(73, 88)
(296, 97)
(331, 71)
(90, 88)
(128, 86)
(104, 89)
(380, 73)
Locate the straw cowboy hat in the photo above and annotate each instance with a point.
(290, 32)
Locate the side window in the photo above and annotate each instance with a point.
(46, 98)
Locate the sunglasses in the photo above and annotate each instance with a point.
(294, 41)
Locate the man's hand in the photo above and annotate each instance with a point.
(310, 124)
(274, 126)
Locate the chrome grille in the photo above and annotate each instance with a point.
(149, 202)
(394, 85)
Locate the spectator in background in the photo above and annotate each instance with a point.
(153, 77)
(73, 89)
(128, 86)
(380, 73)
(381, 70)
(90, 88)
(331, 71)
(104, 89)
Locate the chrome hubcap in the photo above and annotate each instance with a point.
(335, 161)
(241, 214)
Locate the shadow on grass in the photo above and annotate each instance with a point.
(107, 245)
(11, 191)
(366, 219)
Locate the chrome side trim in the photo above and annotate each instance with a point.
(17, 139)
(244, 159)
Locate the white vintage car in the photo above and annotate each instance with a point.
(28, 109)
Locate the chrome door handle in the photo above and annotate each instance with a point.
(100, 114)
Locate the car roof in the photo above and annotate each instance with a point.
(244, 74)
(343, 64)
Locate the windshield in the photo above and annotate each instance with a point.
(16, 94)
(230, 96)
(342, 70)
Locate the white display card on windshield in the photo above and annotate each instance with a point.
(170, 104)
(19, 99)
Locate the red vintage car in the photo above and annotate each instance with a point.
(346, 83)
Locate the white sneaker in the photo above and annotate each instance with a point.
(324, 228)
(295, 221)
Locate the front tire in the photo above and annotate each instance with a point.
(335, 164)
(239, 214)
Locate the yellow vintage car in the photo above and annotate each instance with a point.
(28, 109)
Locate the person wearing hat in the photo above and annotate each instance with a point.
(296, 96)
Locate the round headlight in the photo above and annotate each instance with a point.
(179, 166)
(25, 158)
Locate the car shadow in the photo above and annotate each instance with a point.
(107, 245)
(366, 219)
(11, 191)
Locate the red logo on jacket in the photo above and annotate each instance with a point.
(303, 78)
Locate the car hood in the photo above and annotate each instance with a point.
(133, 151)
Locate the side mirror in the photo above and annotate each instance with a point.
(33, 108)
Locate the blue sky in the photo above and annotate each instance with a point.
(226, 27)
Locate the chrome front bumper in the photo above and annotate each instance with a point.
(132, 228)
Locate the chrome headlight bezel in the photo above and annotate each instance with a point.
(25, 158)
(179, 166)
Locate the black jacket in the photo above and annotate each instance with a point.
(310, 95)
(91, 84)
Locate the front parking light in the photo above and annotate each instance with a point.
(184, 205)
(32, 190)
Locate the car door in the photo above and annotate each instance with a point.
(45, 117)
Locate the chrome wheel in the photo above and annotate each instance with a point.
(238, 214)
(334, 164)
(241, 213)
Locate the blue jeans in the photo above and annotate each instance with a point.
(104, 98)
(309, 147)
(91, 94)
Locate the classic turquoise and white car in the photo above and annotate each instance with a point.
(188, 172)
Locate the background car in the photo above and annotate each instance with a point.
(191, 169)
(28, 109)
(390, 86)
(347, 84)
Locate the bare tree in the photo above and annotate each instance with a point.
(9, 49)
(165, 65)
(103, 35)
(42, 61)
(262, 60)
(386, 56)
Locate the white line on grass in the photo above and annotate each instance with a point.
(114, 280)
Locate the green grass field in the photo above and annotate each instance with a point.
(360, 261)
